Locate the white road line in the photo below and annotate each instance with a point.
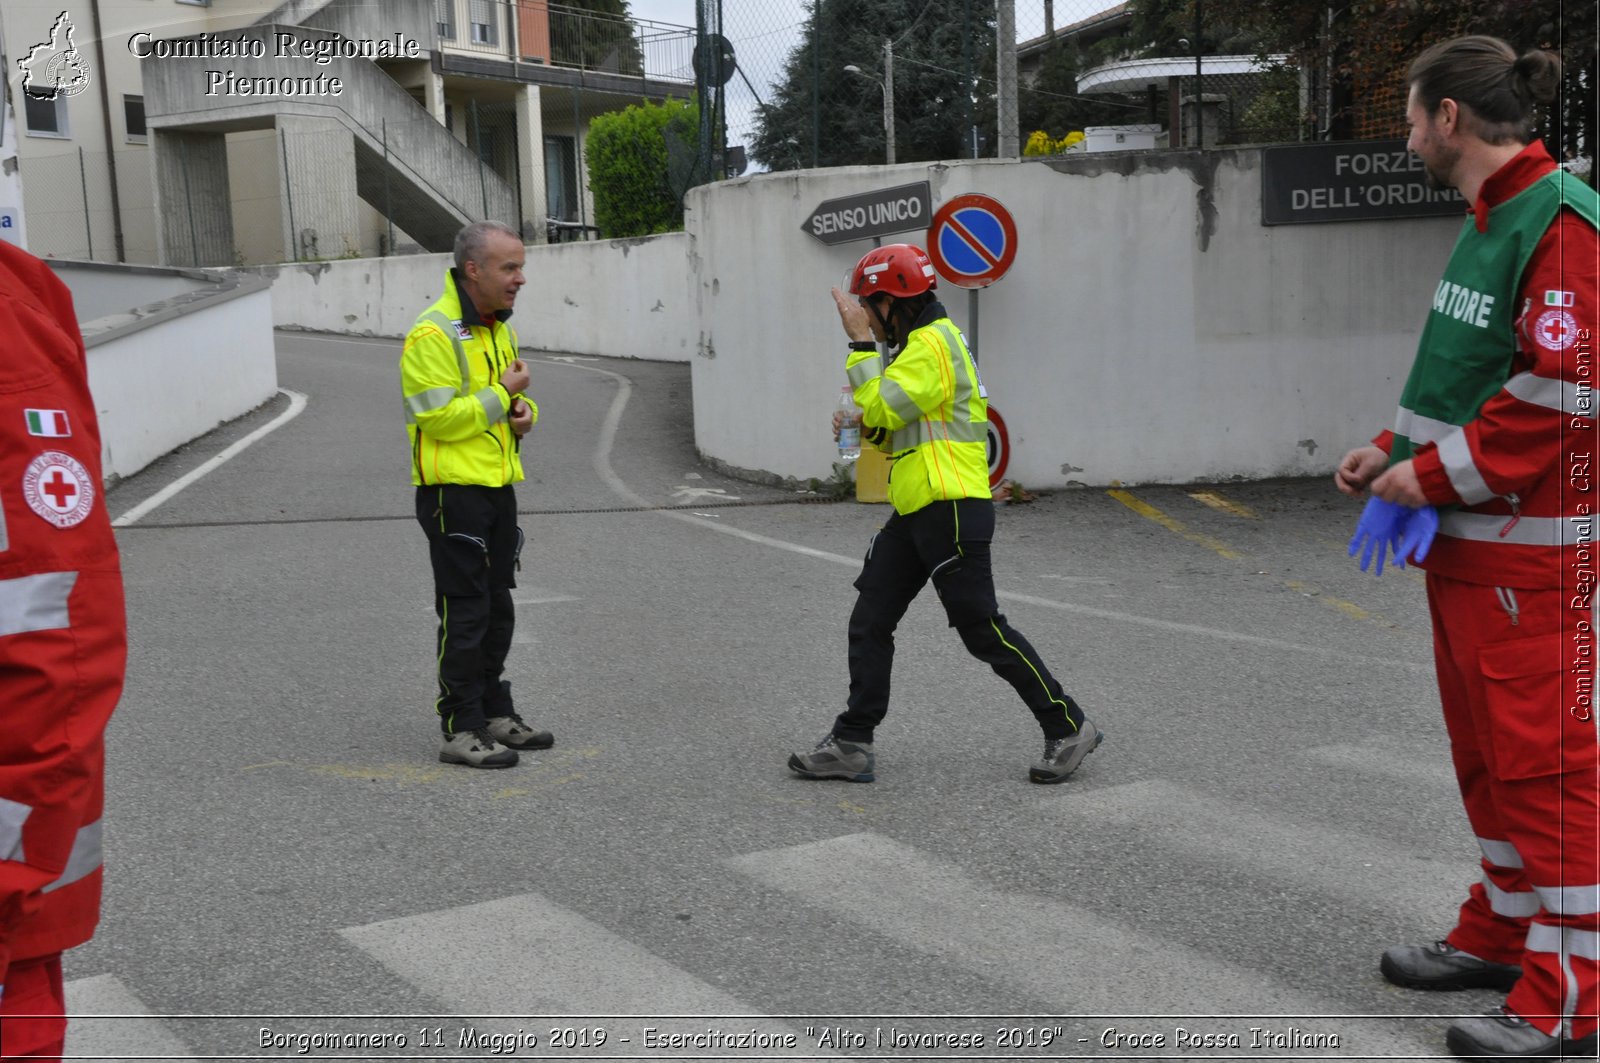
(1357, 868)
(127, 1031)
(366, 341)
(526, 955)
(1054, 951)
(297, 403)
(602, 468)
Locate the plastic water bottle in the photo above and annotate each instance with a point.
(850, 431)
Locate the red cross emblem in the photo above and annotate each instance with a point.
(1555, 330)
(59, 488)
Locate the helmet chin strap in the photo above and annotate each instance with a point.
(886, 321)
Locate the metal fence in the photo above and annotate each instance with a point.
(555, 34)
(811, 85)
(71, 215)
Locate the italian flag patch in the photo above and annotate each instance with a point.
(1553, 298)
(51, 424)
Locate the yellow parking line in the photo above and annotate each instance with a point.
(1309, 590)
(1149, 512)
(1226, 505)
(1350, 609)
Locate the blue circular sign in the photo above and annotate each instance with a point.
(972, 241)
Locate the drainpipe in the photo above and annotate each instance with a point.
(111, 155)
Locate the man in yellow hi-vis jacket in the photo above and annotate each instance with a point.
(466, 415)
(927, 408)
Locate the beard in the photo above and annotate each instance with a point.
(1440, 169)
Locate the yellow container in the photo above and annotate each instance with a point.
(872, 475)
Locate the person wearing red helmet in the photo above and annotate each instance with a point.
(926, 407)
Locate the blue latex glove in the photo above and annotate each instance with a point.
(1378, 529)
(1416, 535)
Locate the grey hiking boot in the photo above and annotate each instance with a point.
(1442, 966)
(510, 730)
(1063, 755)
(1503, 1035)
(476, 749)
(834, 758)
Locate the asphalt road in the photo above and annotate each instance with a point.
(287, 860)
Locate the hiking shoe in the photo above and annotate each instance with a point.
(834, 758)
(1444, 967)
(1503, 1035)
(476, 749)
(1063, 755)
(510, 730)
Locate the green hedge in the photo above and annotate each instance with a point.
(628, 169)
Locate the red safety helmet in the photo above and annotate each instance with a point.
(901, 270)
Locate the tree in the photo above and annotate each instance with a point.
(1359, 52)
(595, 35)
(838, 117)
(630, 170)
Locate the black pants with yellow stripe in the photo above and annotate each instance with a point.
(947, 542)
(474, 544)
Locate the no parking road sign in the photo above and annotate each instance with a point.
(972, 241)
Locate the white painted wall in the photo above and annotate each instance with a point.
(1151, 330)
(620, 298)
(194, 352)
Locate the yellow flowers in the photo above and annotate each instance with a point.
(1041, 143)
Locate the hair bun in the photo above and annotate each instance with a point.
(1539, 72)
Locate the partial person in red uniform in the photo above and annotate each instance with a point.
(1496, 429)
(63, 650)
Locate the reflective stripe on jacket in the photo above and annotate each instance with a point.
(932, 402)
(456, 409)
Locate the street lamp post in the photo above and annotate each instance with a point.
(887, 85)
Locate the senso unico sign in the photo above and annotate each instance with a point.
(904, 208)
(907, 209)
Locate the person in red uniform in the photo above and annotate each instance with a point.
(63, 648)
(1496, 429)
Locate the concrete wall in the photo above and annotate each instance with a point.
(621, 298)
(1151, 329)
(173, 367)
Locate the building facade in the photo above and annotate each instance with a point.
(187, 132)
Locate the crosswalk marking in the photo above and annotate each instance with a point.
(1058, 953)
(137, 1035)
(544, 959)
(1044, 946)
(1359, 867)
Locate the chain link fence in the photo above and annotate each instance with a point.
(72, 216)
(812, 79)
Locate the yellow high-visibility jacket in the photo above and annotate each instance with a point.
(928, 410)
(456, 409)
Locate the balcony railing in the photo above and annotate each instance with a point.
(538, 31)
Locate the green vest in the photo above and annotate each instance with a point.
(1464, 356)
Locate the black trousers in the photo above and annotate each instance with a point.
(947, 542)
(474, 544)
